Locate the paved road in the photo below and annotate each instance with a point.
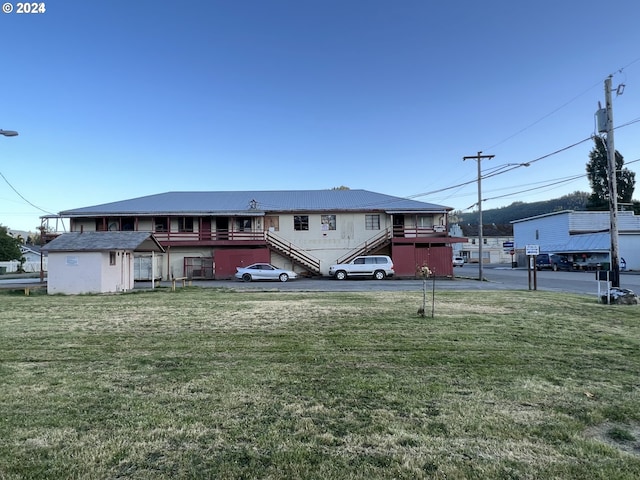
(497, 278)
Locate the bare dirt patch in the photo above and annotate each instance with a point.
(623, 437)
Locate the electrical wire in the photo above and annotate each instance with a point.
(558, 182)
(22, 197)
(620, 70)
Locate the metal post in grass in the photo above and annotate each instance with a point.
(425, 272)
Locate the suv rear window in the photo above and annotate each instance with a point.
(371, 260)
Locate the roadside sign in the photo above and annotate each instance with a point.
(507, 245)
(532, 249)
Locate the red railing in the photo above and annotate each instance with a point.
(216, 235)
(416, 232)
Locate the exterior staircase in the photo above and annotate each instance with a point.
(369, 246)
(290, 251)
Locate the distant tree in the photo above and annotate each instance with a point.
(455, 216)
(597, 172)
(518, 210)
(341, 187)
(9, 246)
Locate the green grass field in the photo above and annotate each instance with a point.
(207, 383)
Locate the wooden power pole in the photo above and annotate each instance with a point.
(479, 157)
(613, 188)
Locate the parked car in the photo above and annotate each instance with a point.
(264, 271)
(375, 266)
(553, 262)
(458, 261)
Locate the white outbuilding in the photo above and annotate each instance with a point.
(95, 262)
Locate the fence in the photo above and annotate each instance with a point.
(29, 267)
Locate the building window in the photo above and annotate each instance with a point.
(301, 222)
(372, 222)
(185, 224)
(425, 221)
(243, 224)
(161, 225)
(112, 258)
(484, 240)
(473, 241)
(128, 224)
(328, 222)
(101, 225)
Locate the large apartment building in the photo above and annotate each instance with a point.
(208, 234)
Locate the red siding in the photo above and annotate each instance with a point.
(407, 259)
(228, 259)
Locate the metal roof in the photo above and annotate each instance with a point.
(257, 203)
(101, 241)
(586, 242)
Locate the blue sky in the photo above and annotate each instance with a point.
(117, 99)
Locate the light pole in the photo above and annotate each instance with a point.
(8, 133)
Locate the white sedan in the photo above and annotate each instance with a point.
(264, 271)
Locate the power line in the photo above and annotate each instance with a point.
(544, 117)
(620, 70)
(520, 165)
(552, 183)
(22, 197)
(558, 182)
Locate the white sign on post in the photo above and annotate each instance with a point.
(532, 249)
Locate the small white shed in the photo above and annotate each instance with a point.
(95, 262)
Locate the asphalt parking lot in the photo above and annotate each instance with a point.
(497, 277)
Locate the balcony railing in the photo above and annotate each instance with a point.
(215, 235)
(417, 232)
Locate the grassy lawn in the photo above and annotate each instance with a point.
(207, 383)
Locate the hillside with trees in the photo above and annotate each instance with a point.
(518, 210)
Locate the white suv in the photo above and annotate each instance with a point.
(375, 266)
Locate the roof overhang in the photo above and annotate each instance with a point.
(415, 212)
(157, 214)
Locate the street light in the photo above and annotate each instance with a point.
(8, 133)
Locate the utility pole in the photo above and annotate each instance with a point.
(479, 157)
(613, 187)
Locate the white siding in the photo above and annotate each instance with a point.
(629, 248)
(89, 272)
(549, 232)
(589, 221)
(600, 221)
(329, 245)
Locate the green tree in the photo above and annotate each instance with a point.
(597, 172)
(9, 246)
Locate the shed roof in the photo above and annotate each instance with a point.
(101, 241)
(257, 203)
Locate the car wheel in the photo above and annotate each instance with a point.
(246, 277)
(379, 275)
(283, 277)
(555, 267)
(341, 275)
